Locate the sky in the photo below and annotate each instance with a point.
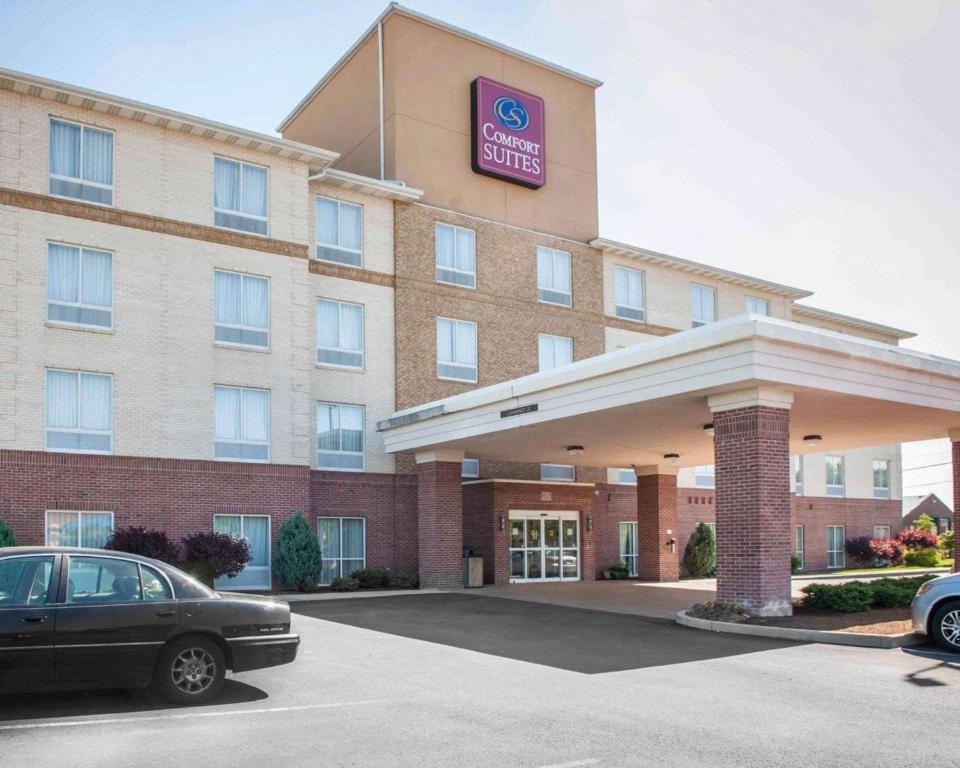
(809, 142)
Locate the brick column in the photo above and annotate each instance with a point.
(955, 446)
(440, 519)
(752, 458)
(657, 559)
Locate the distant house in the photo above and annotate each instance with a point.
(914, 506)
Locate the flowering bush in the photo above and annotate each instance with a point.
(914, 538)
(860, 550)
(211, 555)
(887, 551)
(137, 540)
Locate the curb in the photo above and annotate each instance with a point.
(310, 597)
(827, 637)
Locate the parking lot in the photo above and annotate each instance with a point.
(475, 680)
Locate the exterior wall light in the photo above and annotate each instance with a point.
(708, 429)
(503, 524)
(589, 523)
(812, 439)
(574, 450)
(671, 458)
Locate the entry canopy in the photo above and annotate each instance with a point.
(635, 405)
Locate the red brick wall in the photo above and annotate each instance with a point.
(657, 514)
(481, 526)
(613, 504)
(440, 512)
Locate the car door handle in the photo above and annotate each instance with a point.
(34, 619)
(165, 614)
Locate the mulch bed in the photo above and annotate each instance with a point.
(882, 621)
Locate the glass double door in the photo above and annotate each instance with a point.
(544, 547)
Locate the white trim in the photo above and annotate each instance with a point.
(800, 544)
(805, 310)
(770, 397)
(394, 190)
(529, 482)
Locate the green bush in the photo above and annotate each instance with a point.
(619, 571)
(796, 564)
(947, 543)
(700, 554)
(371, 578)
(925, 558)
(857, 596)
(6, 535)
(298, 562)
(925, 523)
(404, 580)
(348, 584)
(895, 593)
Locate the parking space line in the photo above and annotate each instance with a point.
(190, 715)
(573, 764)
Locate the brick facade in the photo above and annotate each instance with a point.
(657, 558)
(440, 524)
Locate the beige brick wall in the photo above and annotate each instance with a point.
(858, 472)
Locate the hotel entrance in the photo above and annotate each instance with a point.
(544, 546)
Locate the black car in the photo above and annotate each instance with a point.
(89, 618)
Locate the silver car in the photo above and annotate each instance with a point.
(936, 611)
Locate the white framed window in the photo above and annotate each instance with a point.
(241, 424)
(554, 351)
(553, 276)
(558, 473)
(703, 304)
(339, 232)
(626, 477)
(456, 249)
(881, 531)
(240, 194)
(705, 476)
(835, 475)
(79, 286)
(70, 528)
(757, 306)
(470, 468)
(343, 546)
(255, 530)
(456, 350)
(881, 479)
(797, 462)
(339, 334)
(630, 294)
(836, 555)
(340, 437)
(798, 537)
(79, 412)
(628, 546)
(81, 162)
(241, 314)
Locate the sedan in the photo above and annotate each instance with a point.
(89, 618)
(936, 611)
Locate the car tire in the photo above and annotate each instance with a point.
(945, 626)
(190, 670)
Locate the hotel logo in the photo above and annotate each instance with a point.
(508, 133)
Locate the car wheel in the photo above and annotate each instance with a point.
(190, 670)
(946, 626)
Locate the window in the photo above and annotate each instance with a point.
(836, 556)
(563, 473)
(797, 462)
(241, 309)
(343, 546)
(881, 531)
(155, 587)
(470, 468)
(78, 529)
(340, 437)
(456, 255)
(255, 530)
(554, 351)
(239, 196)
(881, 479)
(834, 475)
(553, 276)
(630, 297)
(79, 412)
(758, 306)
(241, 424)
(339, 232)
(628, 547)
(81, 162)
(79, 286)
(339, 334)
(626, 477)
(703, 304)
(103, 580)
(798, 543)
(25, 581)
(456, 350)
(705, 476)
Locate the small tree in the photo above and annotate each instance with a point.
(298, 563)
(6, 535)
(700, 555)
(947, 542)
(887, 551)
(925, 523)
(138, 540)
(208, 556)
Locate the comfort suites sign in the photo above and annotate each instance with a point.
(508, 133)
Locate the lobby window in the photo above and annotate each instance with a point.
(240, 196)
(339, 232)
(835, 473)
(79, 412)
(881, 479)
(797, 465)
(456, 255)
(630, 294)
(340, 437)
(554, 351)
(470, 468)
(705, 476)
(339, 334)
(241, 424)
(558, 473)
(81, 162)
(703, 304)
(626, 477)
(456, 350)
(798, 543)
(881, 531)
(836, 555)
(628, 547)
(758, 306)
(241, 309)
(67, 528)
(343, 544)
(255, 530)
(553, 276)
(79, 286)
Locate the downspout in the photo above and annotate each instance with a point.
(380, 73)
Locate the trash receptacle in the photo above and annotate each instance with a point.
(472, 571)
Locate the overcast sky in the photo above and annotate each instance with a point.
(813, 143)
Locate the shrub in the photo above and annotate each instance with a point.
(925, 558)
(947, 542)
(298, 562)
(210, 555)
(6, 535)
(796, 564)
(852, 597)
(404, 580)
(138, 540)
(619, 571)
(700, 554)
(371, 578)
(887, 551)
(895, 593)
(860, 551)
(925, 523)
(914, 538)
(348, 584)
